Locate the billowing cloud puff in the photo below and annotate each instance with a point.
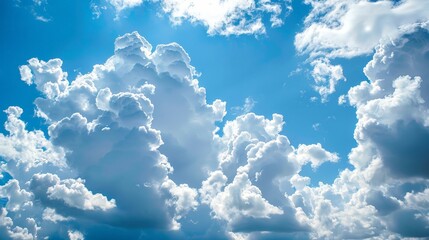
(72, 192)
(338, 28)
(258, 168)
(392, 108)
(326, 76)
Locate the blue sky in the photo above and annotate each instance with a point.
(297, 64)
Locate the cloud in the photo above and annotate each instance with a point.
(227, 17)
(256, 170)
(75, 235)
(383, 195)
(121, 5)
(247, 107)
(342, 99)
(72, 191)
(337, 28)
(392, 108)
(49, 214)
(326, 76)
(315, 154)
(119, 153)
(219, 17)
(101, 159)
(118, 158)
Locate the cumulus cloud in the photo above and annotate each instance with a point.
(118, 153)
(100, 129)
(118, 158)
(314, 154)
(326, 76)
(337, 28)
(220, 17)
(257, 170)
(72, 191)
(384, 194)
(392, 108)
(228, 17)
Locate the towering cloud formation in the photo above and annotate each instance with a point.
(132, 150)
(101, 161)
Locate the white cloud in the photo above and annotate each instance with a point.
(326, 76)
(102, 160)
(372, 200)
(257, 170)
(119, 155)
(18, 199)
(47, 76)
(75, 235)
(314, 154)
(49, 214)
(72, 192)
(182, 198)
(25, 151)
(231, 17)
(8, 231)
(337, 28)
(241, 198)
(342, 99)
(121, 5)
(393, 105)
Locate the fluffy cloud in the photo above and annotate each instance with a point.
(314, 154)
(392, 108)
(72, 192)
(326, 76)
(337, 28)
(101, 159)
(385, 194)
(231, 17)
(118, 157)
(257, 170)
(75, 235)
(118, 153)
(227, 17)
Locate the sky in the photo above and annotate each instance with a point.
(214, 119)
